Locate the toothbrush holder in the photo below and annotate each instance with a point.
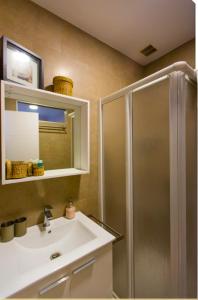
(20, 226)
(7, 231)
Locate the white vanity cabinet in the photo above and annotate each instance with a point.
(92, 277)
(89, 277)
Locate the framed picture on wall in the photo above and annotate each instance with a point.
(20, 65)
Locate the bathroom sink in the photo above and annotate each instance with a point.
(67, 234)
(39, 253)
(40, 246)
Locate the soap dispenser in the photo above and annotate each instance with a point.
(70, 210)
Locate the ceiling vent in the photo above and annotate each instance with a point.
(148, 50)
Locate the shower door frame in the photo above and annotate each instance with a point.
(175, 73)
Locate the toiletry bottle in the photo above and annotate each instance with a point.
(70, 210)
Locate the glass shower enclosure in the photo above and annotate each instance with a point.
(148, 183)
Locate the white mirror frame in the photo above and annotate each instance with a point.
(81, 131)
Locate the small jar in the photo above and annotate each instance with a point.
(38, 168)
(70, 211)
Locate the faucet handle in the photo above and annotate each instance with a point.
(47, 212)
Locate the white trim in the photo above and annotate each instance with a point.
(88, 141)
(101, 163)
(2, 131)
(173, 124)
(85, 137)
(25, 91)
(178, 66)
(149, 84)
(48, 174)
(182, 185)
(129, 191)
(178, 185)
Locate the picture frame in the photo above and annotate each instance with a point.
(20, 65)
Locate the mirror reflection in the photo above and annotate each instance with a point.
(36, 131)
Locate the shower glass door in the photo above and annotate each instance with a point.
(151, 191)
(114, 190)
(149, 186)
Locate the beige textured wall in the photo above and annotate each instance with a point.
(186, 52)
(96, 70)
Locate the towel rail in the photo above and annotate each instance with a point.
(117, 235)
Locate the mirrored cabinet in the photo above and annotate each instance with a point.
(43, 127)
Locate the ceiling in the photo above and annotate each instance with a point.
(130, 25)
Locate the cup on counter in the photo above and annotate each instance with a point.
(7, 231)
(20, 226)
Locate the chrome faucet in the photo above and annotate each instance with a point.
(47, 215)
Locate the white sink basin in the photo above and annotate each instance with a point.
(62, 232)
(27, 259)
(38, 247)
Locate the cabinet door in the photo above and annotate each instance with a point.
(53, 286)
(92, 276)
(56, 289)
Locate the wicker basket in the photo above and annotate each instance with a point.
(63, 85)
(19, 169)
(8, 169)
(50, 88)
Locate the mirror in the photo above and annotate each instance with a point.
(35, 130)
(43, 134)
